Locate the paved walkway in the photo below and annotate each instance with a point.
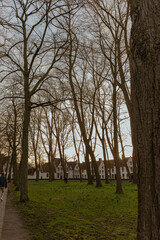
(11, 223)
(2, 211)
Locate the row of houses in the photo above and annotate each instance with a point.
(73, 170)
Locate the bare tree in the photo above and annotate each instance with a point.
(70, 74)
(31, 53)
(12, 128)
(113, 29)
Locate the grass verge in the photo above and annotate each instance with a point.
(77, 211)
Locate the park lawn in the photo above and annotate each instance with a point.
(59, 211)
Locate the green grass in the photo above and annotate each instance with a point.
(58, 211)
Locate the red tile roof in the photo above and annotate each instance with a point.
(83, 166)
(45, 167)
(31, 171)
(71, 164)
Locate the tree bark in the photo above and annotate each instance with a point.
(134, 152)
(36, 165)
(50, 159)
(24, 157)
(10, 170)
(15, 170)
(80, 169)
(115, 152)
(90, 179)
(105, 162)
(145, 50)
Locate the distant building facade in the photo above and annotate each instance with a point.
(73, 169)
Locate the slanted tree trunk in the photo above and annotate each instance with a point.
(145, 50)
(77, 150)
(105, 162)
(72, 58)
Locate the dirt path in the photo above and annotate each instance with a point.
(13, 225)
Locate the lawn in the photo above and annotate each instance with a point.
(59, 211)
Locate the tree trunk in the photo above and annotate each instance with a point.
(127, 168)
(36, 165)
(116, 153)
(105, 162)
(14, 151)
(50, 160)
(80, 170)
(24, 157)
(123, 156)
(63, 162)
(90, 179)
(15, 170)
(10, 170)
(134, 153)
(51, 168)
(145, 49)
(81, 123)
(95, 166)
